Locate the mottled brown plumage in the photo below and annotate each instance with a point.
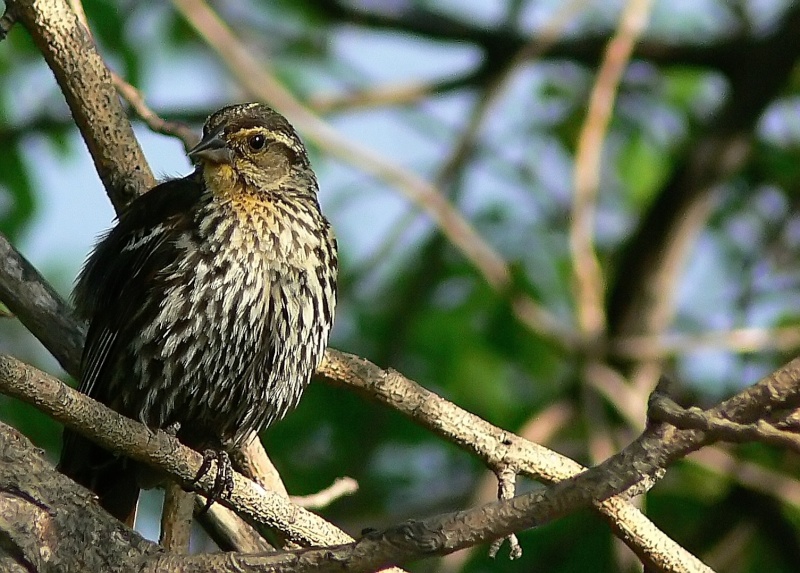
(210, 302)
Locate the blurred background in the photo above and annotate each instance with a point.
(623, 229)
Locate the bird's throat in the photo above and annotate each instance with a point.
(221, 179)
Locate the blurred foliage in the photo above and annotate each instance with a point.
(408, 298)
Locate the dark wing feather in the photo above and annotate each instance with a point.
(114, 283)
(110, 293)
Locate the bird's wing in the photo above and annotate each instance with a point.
(113, 287)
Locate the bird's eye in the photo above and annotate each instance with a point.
(257, 142)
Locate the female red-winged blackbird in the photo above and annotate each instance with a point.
(210, 302)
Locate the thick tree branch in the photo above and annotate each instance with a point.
(176, 519)
(497, 447)
(431, 536)
(39, 307)
(125, 436)
(654, 450)
(229, 531)
(43, 514)
(437, 535)
(86, 83)
(446, 533)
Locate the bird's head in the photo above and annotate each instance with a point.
(252, 148)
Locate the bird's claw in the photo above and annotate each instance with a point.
(223, 481)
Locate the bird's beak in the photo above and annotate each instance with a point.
(212, 149)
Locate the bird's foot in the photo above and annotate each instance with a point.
(223, 481)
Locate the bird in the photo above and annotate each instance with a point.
(209, 303)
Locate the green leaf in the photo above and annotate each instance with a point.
(643, 167)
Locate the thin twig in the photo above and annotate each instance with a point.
(663, 409)
(136, 99)
(588, 276)
(391, 94)
(155, 122)
(506, 489)
(739, 340)
(340, 487)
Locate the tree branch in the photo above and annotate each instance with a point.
(589, 283)
(340, 487)
(43, 513)
(660, 445)
(156, 123)
(497, 447)
(656, 448)
(641, 299)
(39, 307)
(663, 409)
(86, 83)
(501, 43)
(158, 449)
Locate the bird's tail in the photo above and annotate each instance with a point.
(112, 478)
